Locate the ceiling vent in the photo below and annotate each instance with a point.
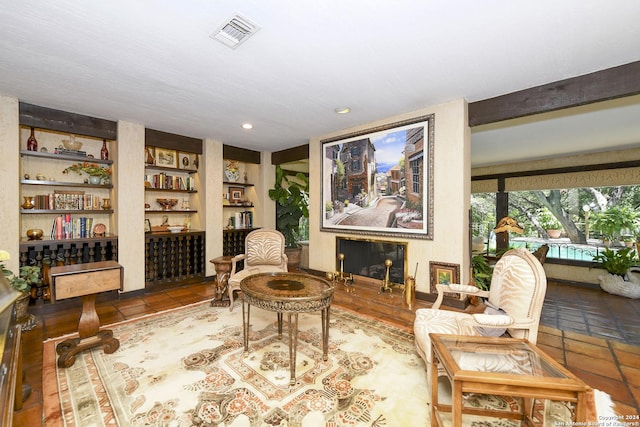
(235, 31)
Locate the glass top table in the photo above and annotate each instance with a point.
(290, 293)
(500, 366)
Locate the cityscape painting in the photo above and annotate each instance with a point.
(380, 181)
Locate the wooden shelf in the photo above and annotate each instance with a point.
(63, 184)
(28, 242)
(238, 184)
(168, 169)
(236, 206)
(65, 211)
(170, 211)
(170, 190)
(79, 159)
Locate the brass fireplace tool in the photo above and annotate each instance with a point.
(386, 283)
(341, 276)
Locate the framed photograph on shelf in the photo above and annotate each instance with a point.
(166, 158)
(443, 274)
(391, 165)
(149, 155)
(186, 161)
(147, 226)
(235, 195)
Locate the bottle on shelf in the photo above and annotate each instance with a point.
(32, 143)
(104, 152)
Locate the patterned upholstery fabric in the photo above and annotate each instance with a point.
(264, 253)
(518, 286)
(264, 248)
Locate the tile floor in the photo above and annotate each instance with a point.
(597, 337)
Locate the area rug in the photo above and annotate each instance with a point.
(186, 368)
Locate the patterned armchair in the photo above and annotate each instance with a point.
(518, 287)
(264, 253)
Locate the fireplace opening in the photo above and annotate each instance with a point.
(364, 257)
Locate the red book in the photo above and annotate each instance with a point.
(59, 227)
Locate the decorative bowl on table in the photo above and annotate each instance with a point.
(175, 228)
(167, 204)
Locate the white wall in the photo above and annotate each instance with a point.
(451, 196)
(9, 173)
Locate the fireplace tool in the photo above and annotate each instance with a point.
(386, 283)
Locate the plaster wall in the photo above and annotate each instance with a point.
(9, 170)
(128, 155)
(451, 197)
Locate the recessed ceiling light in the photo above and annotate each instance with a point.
(342, 110)
(247, 126)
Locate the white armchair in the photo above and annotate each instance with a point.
(264, 253)
(518, 287)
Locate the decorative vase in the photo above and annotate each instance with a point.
(106, 204)
(95, 180)
(28, 203)
(32, 143)
(34, 233)
(104, 152)
(231, 175)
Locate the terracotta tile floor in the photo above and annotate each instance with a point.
(593, 333)
(597, 337)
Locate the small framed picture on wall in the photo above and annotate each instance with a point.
(443, 274)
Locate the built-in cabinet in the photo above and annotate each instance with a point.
(174, 243)
(64, 217)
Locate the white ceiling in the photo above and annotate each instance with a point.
(153, 62)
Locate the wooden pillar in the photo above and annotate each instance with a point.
(502, 210)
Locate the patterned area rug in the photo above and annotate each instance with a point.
(186, 368)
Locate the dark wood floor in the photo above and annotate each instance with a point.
(596, 348)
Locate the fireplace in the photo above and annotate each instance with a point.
(366, 258)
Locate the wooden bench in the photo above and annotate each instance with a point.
(86, 281)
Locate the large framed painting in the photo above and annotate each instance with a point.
(380, 181)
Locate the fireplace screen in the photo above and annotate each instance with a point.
(367, 258)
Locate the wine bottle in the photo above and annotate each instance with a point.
(32, 144)
(104, 152)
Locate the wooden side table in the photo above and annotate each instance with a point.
(222, 265)
(86, 281)
(500, 366)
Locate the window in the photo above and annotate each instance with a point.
(590, 219)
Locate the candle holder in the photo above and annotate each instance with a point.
(341, 272)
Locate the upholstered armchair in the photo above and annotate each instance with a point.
(514, 303)
(264, 253)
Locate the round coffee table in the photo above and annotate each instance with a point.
(290, 293)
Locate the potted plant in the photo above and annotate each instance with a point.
(96, 172)
(292, 198)
(617, 262)
(550, 224)
(481, 271)
(611, 222)
(28, 275)
(328, 209)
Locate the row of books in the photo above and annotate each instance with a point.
(67, 201)
(170, 182)
(67, 227)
